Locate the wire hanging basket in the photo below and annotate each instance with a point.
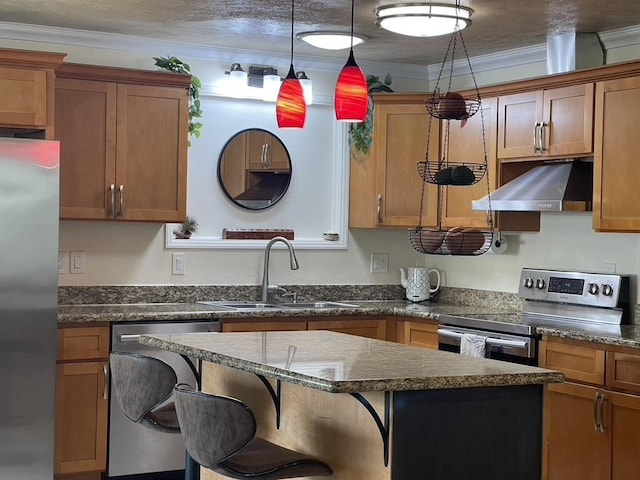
(449, 107)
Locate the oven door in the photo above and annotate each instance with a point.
(498, 346)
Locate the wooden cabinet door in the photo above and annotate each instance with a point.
(81, 417)
(85, 121)
(265, 153)
(623, 419)
(370, 328)
(573, 448)
(467, 144)
(616, 196)
(623, 372)
(151, 152)
(517, 116)
(400, 142)
(581, 363)
(420, 334)
(568, 121)
(24, 97)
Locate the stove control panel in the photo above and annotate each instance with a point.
(580, 288)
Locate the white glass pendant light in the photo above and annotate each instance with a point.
(423, 19)
(307, 87)
(237, 80)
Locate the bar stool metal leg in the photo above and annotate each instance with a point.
(191, 468)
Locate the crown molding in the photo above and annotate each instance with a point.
(621, 37)
(114, 41)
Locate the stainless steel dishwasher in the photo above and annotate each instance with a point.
(133, 448)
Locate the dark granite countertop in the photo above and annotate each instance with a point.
(341, 363)
(627, 336)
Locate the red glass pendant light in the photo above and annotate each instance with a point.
(291, 109)
(352, 95)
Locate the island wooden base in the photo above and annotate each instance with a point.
(481, 433)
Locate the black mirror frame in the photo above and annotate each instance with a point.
(219, 170)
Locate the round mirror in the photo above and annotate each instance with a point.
(254, 169)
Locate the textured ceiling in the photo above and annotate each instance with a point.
(264, 25)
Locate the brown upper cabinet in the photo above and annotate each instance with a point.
(467, 144)
(264, 152)
(616, 196)
(26, 89)
(123, 143)
(557, 123)
(386, 188)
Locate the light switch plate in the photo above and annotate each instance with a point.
(76, 262)
(178, 264)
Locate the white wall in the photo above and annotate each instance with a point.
(121, 254)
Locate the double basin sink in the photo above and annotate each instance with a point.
(281, 306)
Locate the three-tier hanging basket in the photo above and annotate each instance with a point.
(452, 107)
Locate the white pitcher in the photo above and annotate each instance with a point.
(417, 283)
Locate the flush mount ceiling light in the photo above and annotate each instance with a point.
(423, 19)
(291, 108)
(331, 40)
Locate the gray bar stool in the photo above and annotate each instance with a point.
(142, 385)
(220, 433)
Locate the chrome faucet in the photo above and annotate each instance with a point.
(265, 270)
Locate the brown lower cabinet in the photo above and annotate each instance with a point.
(370, 327)
(82, 403)
(418, 334)
(592, 431)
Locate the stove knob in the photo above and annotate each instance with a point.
(607, 290)
(540, 283)
(528, 282)
(593, 288)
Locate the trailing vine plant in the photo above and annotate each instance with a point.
(361, 134)
(176, 65)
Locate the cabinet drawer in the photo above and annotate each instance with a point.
(369, 328)
(83, 343)
(576, 362)
(623, 372)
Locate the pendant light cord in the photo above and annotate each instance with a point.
(292, 8)
(352, 10)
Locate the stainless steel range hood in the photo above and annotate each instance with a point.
(553, 187)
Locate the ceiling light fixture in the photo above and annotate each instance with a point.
(331, 40)
(423, 19)
(352, 94)
(291, 108)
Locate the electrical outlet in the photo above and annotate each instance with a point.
(379, 263)
(178, 265)
(63, 262)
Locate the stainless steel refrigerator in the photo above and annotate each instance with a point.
(29, 178)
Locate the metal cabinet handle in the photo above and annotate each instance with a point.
(536, 147)
(603, 399)
(541, 142)
(112, 204)
(268, 155)
(379, 209)
(263, 155)
(596, 401)
(121, 210)
(105, 368)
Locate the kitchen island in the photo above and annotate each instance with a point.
(378, 410)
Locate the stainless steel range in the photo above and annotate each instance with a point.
(586, 302)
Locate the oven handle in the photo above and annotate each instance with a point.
(498, 342)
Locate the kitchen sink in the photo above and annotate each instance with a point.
(243, 305)
(268, 306)
(315, 305)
